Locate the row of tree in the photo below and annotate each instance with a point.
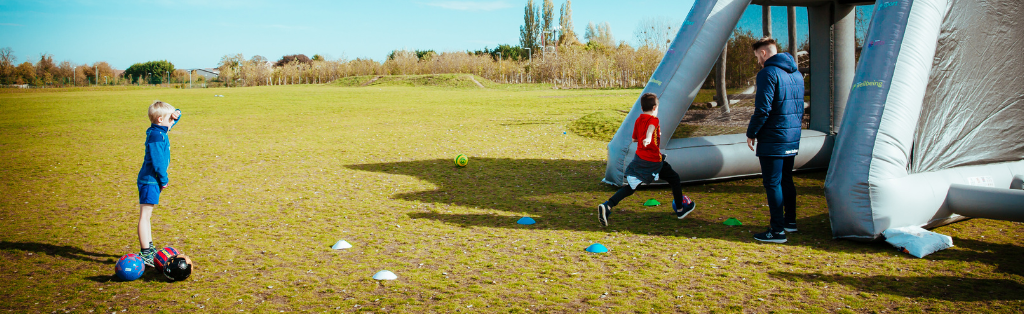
(46, 72)
(548, 52)
(569, 65)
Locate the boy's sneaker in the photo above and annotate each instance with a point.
(790, 227)
(687, 207)
(602, 213)
(147, 258)
(769, 236)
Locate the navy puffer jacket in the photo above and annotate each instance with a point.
(778, 108)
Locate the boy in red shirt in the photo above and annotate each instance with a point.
(649, 164)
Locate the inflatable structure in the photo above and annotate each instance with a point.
(927, 129)
(934, 128)
(687, 63)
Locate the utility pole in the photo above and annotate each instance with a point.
(531, 62)
(95, 69)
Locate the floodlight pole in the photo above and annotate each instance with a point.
(529, 52)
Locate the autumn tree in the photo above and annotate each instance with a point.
(548, 22)
(104, 73)
(229, 67)
(25, 74)
(7, 61)
(530, 30)
(656, 32)
(599, 35)
(46, 69)
(568, 35)
(65, 71)
(301, 58)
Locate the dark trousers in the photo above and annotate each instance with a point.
(666, 174)
(777, 173)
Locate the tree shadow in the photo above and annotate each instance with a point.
(563, 195)
(62, 251)
(937, 287)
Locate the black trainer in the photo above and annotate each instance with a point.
(769, 236)
(686, 209)
(602, 213)
(790, 227)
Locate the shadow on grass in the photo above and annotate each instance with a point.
(62, 251)
(563, 195)
(1006, 257)
(150, 275)
(938, 287)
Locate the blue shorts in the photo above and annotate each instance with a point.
(149, 194)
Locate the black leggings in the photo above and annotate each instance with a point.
(666, 174)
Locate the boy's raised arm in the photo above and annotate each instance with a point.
(176, 116)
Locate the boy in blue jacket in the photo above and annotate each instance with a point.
(153, 175)
(775, 128)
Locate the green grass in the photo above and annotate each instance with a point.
(599, 125)
(264, 180)
(431, 80)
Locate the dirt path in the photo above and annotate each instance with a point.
(374, 79)
(475, 81)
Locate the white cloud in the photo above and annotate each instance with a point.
(471, 5)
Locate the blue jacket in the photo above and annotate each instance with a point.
(158, 156)
(778, 108)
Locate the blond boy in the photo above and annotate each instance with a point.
(153, 175)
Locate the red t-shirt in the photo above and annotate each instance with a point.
(651, 152)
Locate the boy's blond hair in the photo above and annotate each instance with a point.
(159, 109)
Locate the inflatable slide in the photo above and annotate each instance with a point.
(927, 128)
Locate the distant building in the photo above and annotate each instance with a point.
(207, 73)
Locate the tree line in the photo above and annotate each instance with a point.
(46, 72)
(548, 52)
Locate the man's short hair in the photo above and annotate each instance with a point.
(763, 42)
(648, 101)
(159, 109)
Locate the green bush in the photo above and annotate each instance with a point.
(153, 70)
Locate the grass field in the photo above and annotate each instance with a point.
(264, 180)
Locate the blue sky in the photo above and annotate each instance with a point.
(197, 33)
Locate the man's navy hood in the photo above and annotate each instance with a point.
(783, 61)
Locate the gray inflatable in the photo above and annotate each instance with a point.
(676, 81)
(928, 130)
(934, 125)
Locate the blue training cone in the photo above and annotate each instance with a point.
(526, 221)
(597, 248)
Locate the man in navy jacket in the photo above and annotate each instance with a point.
(775, 128)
